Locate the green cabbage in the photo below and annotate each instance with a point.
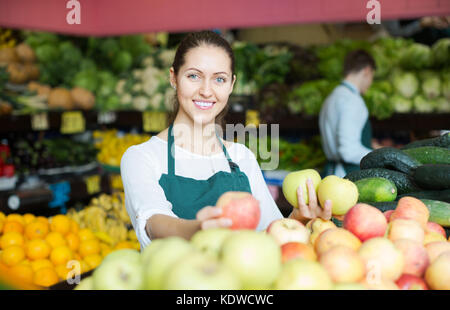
(422, 105)
(443, 105)
(401, 104)
(440, 52)
(405, 83)
(416, 56)
(431, 84)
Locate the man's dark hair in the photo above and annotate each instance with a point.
(357, 60)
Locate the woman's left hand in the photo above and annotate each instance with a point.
(306, 212)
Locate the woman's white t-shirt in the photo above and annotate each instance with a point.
(142, 165)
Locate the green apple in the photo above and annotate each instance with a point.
(342, 193)
(128, 254)
(85, 284)
(301, 274)
(298, 178)
(150, 249)
(199, 271)
(162, 259)
(349, 286)
(210, 241)
(255, 257)
(119, 272)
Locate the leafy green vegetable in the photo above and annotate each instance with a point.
(401, 104)
(431, 84)
(416, 56)
(405, 83)
(441, 52)
(422, 105)
(87, 79)
(442, 105)
(377, 99)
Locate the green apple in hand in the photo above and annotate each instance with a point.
(342, 193)
(298, 178)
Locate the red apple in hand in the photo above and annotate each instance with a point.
(242, 208)
(410, 282)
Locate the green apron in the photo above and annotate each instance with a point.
(366, 140)
(188, 195)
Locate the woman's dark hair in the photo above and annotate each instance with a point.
(193, 40)
(357, 60)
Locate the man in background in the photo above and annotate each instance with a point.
(344, 118)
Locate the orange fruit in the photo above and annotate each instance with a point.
(45, 277)
(62, 271)
(11, 238)
(61, 255)
(28, 218)
(74, 227)
(55, 239)
(37, 249)
(93, 260)
(12, 226)
(77, 256)
(73, 241)
(60, 223)
(15, 218)
(124, 245)
(40, 263)
(23, 272)
(105, 249)
(89, 247)
(86, 234)
(1, 225)
(42, 219)
(13, 255)
(36, 230)
(2, 216)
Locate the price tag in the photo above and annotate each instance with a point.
(153, 121)
(72, 122)
(105, 118)
(39, 121)
(252, 118)
(116, 182)
(92, 184)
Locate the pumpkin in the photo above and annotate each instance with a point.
(82, 98)
(60, 98)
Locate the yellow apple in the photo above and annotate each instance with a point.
(298, 178)
(342, 193)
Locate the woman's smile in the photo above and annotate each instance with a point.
(203, 104)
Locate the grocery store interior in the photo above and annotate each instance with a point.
(82, 81)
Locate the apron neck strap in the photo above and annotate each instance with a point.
(171, 152)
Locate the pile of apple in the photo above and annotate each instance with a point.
(397, 250)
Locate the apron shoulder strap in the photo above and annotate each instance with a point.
(170, 152)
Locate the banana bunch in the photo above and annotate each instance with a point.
(7, 38)
(113, 144)
(107, 217)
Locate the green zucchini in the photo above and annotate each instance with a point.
(384, 206)
(441, 141)
(439, 211)
(430, 155)
(402, 181)
(443, 195)
(376, 190)
(389, 158)
(432, 176)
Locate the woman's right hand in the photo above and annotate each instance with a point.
(209, 217)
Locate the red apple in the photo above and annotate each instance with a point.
(343, 264)
(405, 229)
(287, 230)
(292, 250)
(416, 256)
(388, 214)
(436, 248)
(410, 282)
(412, 209)
(365, 221)
(242, 208)
(435, 227)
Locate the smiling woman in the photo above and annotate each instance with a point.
(164, 199)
